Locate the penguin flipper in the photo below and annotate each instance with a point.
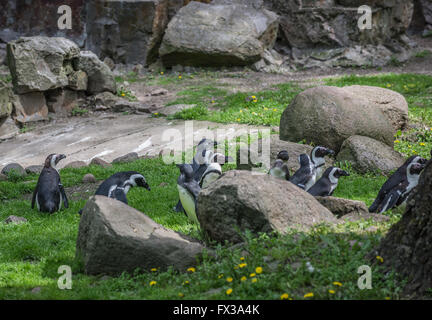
(374, 207)
(34, 197)
(64, 197)
(390, 201)
(179, 207)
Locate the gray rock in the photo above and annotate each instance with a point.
(100, 76)
(3, 177)
(34, 169)
(8, 129)
(342, 207)
(130, 157)
(100, 162)
(15, 220)
(213, 35)
(5, 101)
(89, 178)
(15, 167)
(41, 63)
(61, 101)
(171, 110)
(369, 155)
(30, 107)
(76, 165)
(78, 81)
(128, 32)
(115, 238)
(242, 200)
(328, 116)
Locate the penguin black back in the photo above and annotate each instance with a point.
(305, 176)
(327, 184)
(49, 194)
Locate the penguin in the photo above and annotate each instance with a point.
(395, 179)
(213, 172)
(327, 184)
(317, 156)
(279, 168)
(49, 194)
(304, 177)
(399, 194)
(118, 185)
(188, 189)
(200, 163)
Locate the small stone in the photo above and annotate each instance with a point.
(34, 169)
(3, 177)
(89, 178)
(163, 184)
(159, 92)
(36, 290)
(76, 165)
(15, 220)
(130, 157)
(99, 162)
(17, 168)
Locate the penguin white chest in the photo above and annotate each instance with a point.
(188, 203)
(209, 179)
(278, 173)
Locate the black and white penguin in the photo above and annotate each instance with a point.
(280, 168)
(325, 186)
(213, 172)
(188, 189)
(398, 194)
(304, 177)
(400, 176)
(118, 185)
(49, 194)
(317, 156)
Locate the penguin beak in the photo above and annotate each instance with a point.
(331, 152)
(344, 173)
(60, 157)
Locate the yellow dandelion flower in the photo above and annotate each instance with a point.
(284, 296)
(242, 259)
(259, 270)
(265, 109)
(252, 275)
(422, 144)
(337, 283)
(180, 77)
(191, 269)
(229, 291)
(389, 85)
(241, 111)
(253, 97)
(123, 94)
(242, 265)
(186, 283)
(274, 110)
(238, 119)
(397, 141)
(153, 269)
(152, 283)
(229, 279)
(181, 295)
(380, 259)
(387, 298)
(156, 113)
(254, 280)
(332, 292)
(162, 73)
(308, 295)
(243, 278)
(220, 276)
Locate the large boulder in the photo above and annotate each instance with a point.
(100, 76)
(341, 207)
(126, 31)
(328, 116)
(369, 155)
(115, 238)
(392, 103)
(213, 35)
(41, 63)
(243, 200)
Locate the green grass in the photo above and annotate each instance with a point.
(30, 253)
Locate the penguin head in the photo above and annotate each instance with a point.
(334, 173)
(341, 173)
(304, 160)
(321, 152)
(187, 171)
(221, 159)
(278, 163)
(415, 169)
(283, 155)
(53, 159)
(138, 180)
(415, 159)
